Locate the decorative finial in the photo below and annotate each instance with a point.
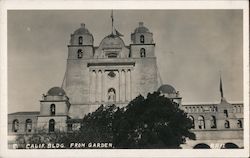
(140, 24)
(112, 19)
(82, 25)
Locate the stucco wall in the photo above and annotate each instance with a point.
(149, 50)
(144, 76)
(216, 139)
(61, 108)
(43, 123)
(22, 120)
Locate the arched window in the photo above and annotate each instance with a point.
(201, 122)
(79, 54)
(143, 52)
(234, 109)
(239, 109)
(212, 122)
(190, 109)
(214, 108)
(15, 125)
(28, 125)
(192, 120)
(51, 125)
(225, 113)
(52, 109)
(111, 95)
(239, 124)
(197, 109)
(227, 124)
(80, 40)
(142, 40)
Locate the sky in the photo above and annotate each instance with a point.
(193, 47)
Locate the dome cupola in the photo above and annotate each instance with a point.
(142, 35)
(82, 36)
(112, 46)
(56, 91)
(170, 92)
(112, 41)
(166, 89)
(141, 28)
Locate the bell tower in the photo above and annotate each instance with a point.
(142, 51)
(81, 44)
(142, 42)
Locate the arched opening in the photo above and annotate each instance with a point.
(80, 41)
(192, 120)
(234, 109)
(143, 52)
(51, 125)
(202, 146)
(52, 109)
(28, 125)
(239, 124)
(190, 109)
(112, 55)
(111, 95)
(201, 109)
(15, 125)
(201, 122)
(225, 113)
(231, 146)
(227, 124)
(142, 40)
(238, 109)
(213, 122)
(194, 110)
(79, 54)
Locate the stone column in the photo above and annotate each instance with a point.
(96, 86)
(123, 89)
(128, 85)
(90, 79)
(119, 86)
(93, 87)
(103, 85)
(99, 88)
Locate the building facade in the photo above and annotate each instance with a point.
(115, 73)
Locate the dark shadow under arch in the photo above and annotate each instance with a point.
(231, 146)
(202, 146)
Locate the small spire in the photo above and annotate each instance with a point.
(221, 89)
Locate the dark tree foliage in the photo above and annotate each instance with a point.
(154, 122)
(96, 127)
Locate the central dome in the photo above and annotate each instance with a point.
(56, 91)
(112, 41)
